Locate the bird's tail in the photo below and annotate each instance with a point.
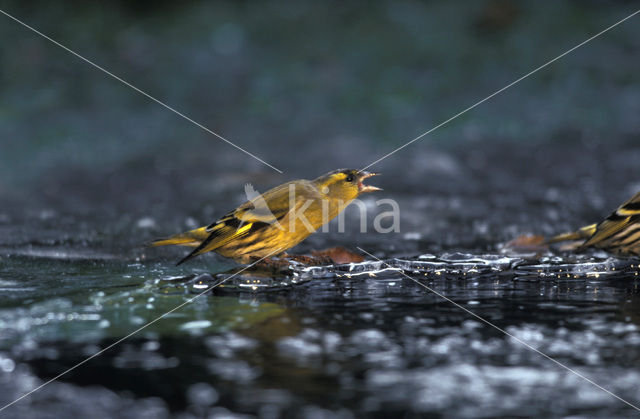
(191, 238)
(582, 234)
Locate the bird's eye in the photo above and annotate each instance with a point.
(349, 178)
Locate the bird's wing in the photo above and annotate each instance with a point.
(266, 208)
(259, 213)
(618, 223)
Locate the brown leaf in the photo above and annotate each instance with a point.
(339, 255)
(527, 243)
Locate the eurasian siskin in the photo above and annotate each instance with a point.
(276, 220)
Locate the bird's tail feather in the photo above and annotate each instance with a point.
(191, 238)
(582, 234)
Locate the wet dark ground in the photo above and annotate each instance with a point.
(91, 172)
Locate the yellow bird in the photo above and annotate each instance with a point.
(619, 233)
(277, 220)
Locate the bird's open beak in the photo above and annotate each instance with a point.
(366, 188)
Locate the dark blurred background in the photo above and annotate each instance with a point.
(310, 87)
(90, 170)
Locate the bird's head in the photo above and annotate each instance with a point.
(345, 184)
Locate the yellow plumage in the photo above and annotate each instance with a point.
(277, 220)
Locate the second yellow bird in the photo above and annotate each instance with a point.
(619, 233)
